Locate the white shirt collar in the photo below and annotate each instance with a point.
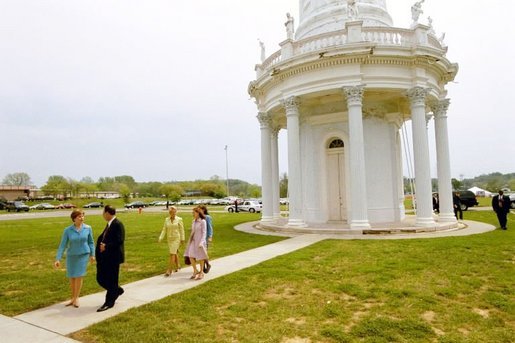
(109, 222)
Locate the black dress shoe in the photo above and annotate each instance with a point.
(120, 291)
(207, 268)
(103, 308)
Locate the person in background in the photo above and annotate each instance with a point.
(110, 253)
(501, 205)
(436, 203)
(173, 228)
(456, 202)
(196, 249)
(77, 241)
(209, 234)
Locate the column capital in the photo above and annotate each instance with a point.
(354, 94)
(265, 119)
(275, 131)
(440, 108)
(417, 95)
(291, 103)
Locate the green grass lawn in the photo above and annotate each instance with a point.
(28, 280)
(456, 289)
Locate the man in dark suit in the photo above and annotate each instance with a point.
(110, 254)
(501, 204)
(456, 202)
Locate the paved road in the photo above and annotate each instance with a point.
(66, 213)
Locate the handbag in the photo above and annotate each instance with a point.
(187, 260)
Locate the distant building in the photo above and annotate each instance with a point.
(18, 192)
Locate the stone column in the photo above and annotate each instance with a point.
(424, 202)
(358, 184)
(443, 161)
(291, 105)
(276, 210)
(265, 121)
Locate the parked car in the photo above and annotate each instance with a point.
(468, 199)
(247, 206)
(186, 202)
(136, 204)
(65, 205)
(512, 200)
(224, 202)
(94, 205)
(3, 203)
(42, 206)
(17, 206)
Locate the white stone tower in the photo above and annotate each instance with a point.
(342, 86)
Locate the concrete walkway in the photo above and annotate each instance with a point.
(48, 324)
(51, 324)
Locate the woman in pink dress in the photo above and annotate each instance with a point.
(196, 249)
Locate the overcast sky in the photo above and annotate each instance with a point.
(155, 89)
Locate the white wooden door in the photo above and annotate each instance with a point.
(336, 185)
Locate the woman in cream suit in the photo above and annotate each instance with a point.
(173, 228)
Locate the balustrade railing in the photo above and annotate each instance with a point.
(378, 35)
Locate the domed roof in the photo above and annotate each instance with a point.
(320, 16)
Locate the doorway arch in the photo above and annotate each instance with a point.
(336, 187)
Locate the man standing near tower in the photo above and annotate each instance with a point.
(501, 205)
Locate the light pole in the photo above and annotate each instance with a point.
(227, 170)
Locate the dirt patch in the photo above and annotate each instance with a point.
(356, 317)
(296, 321)
(483, 313)
(280, 294)
(429, 316)
(464, 331)
(296, 340)
(438, 332)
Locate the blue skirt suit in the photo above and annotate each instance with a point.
(79, 248)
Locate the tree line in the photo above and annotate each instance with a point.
(492, 182)
(126, 186)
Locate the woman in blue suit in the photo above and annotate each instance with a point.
(77, 240)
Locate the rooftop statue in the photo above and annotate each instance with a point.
(416, 11)
(263, 54)
(352, 9)
(430, 24)
(289, 26)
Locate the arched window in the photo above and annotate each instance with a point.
(336, 144)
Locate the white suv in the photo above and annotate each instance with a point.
(246, 206)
